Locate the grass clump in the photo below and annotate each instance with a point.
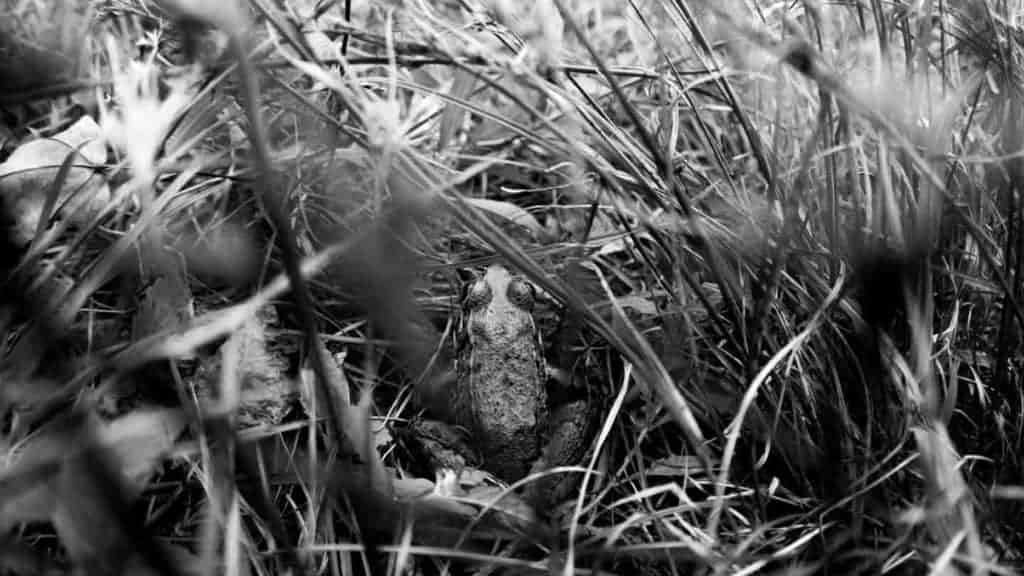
(777, 244)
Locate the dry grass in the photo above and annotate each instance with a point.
(780, 242)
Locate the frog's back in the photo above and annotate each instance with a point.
(501, 396)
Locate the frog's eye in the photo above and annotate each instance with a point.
(478, 294)
(521, 294)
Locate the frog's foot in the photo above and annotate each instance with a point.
(563, 378)
(563, 388)
(443, 446)
(570, 427)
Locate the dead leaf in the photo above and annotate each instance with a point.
(307, 391)
(412, 488)
(620, 244)
(28, 475)
(266, 394)
(454, 114)
(186, 563)
(166, 302)
(89, 529)
(195, 124)
(502, 505)
(515, 512)
(509, 212)
(18, 557)
(675, 466)
(323, 47)
(104, 468)
(139, 440)
(442, 516)
(87, 508)
(382, 438)
(52, 476)
(42, 45)
(222, 252)
(355, 419)
(31, 170)
(226, 16)
(638, 304)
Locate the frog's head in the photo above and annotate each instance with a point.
(499, 288)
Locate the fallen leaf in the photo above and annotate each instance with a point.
(90, 530)
(411, 488)
(195, 124)
(166, 302)
(104, 468)
(266, 392)
(509, 212)
(322, 45)
(224, 252)
(454, 114)
(355, 418)
(28, 476)
(675, 466)
(515, 512)
(307, 390)
(502, 505)
(18, 557)
(441, 517)
(32, 168)
(185, 562)
(620, 244)
(53, 476)
(638, 304)
(139, 440)
(382, 438)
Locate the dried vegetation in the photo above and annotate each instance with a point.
(781, 240)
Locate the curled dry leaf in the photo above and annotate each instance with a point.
(101, 479)
(509, 212)
(454, 115)
(166, 302)
(28, 473)
(741, 223)
(133, 446)
(198, 122)
(139, 440)
(266, 393)
(38, 41)
(226, 252)
(53, 476)
(450, 505)
(18, 557)
(355, 418)
(505, 507)
(29, 173)
(88, 526)
(441, 517)
(307, 391)
(638, 304)
(322, 45)
(412, 488)
(677, 465)
(228, 16)
(514, 512)
(186, 563)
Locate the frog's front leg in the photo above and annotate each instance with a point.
(443, 445)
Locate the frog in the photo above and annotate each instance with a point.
(501, 392)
